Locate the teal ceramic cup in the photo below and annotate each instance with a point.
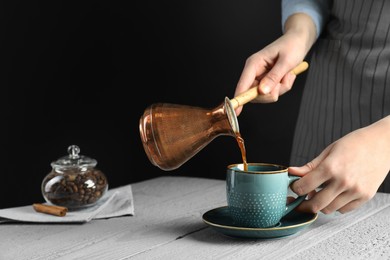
(257, 198)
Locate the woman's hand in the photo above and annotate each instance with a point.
(270, 67)
(349, 170)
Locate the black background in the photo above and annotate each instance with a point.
(83, 72)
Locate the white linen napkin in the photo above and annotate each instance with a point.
(116, 202)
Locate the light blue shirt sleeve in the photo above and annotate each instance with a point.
(318, 10)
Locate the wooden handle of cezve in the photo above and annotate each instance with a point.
(252, 93)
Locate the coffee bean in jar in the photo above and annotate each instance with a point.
(74, 181)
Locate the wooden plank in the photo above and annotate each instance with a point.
(368, 239)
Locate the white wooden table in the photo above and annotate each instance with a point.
(168, 225)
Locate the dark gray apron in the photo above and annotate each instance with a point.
(348, 82)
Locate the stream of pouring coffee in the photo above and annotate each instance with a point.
(241, 144)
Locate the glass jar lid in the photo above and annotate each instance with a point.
(73, 160)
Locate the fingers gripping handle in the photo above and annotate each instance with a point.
(252, 93)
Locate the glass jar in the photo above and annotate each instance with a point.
(74, 182)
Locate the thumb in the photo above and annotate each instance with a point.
(274, 77)
(301, 171)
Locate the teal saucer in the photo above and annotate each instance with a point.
(220, 220)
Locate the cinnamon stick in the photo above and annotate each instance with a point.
(50, 209)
